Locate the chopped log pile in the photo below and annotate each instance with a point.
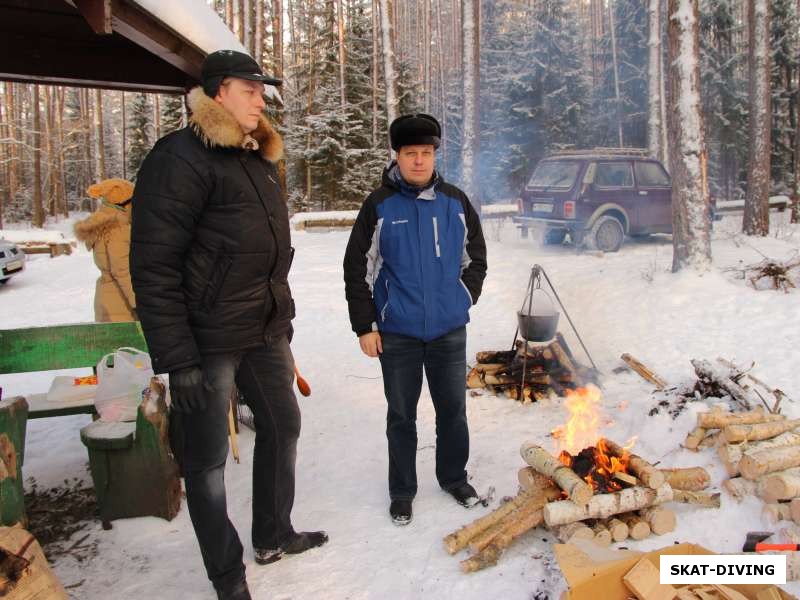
(530, 372)
(761, 454)
(552, 494)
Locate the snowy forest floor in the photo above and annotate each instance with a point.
(623, 302)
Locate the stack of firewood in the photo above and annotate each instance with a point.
(553, 495)
(761, 454)
(529, 372)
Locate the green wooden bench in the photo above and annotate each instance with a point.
(132, 467)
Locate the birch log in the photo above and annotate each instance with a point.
(532, 481)
(754, 465)
(661, 520)
(691, 479)
(694, 438)
(545, 463)
(605, 505)
(638, 528)
(618, 529)
(739, 487)
(647, 473)
(722, 377)
(602, 536)
(705, 499)
(719, 419)
(783, 485)
(759, 431)
(731, 454)
(778, 511)
(574, 531)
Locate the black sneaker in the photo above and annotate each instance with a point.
(465, 495)
(401, 513)
(236, 591)
(298, 543)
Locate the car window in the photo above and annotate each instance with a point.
(650, 174)
(555, 174)
(613, 174)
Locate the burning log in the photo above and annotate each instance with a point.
(638, 528)
(694, 438)
(758, 431)
(618, 529)
(545, 463)
(647, 473)
(731, 454)
(717, 419)
(760, 463)
(691, 479)
(625, 478)
(605, 505)
(644, 372)
(661, 520)
(574, 531)
(777, 511)
(704, 499)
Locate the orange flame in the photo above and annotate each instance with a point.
(582, 428)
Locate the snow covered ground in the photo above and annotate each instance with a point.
(623, 302)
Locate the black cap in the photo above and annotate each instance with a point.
(230, 63)
(414, 130)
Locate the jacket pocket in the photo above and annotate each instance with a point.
(222, 265)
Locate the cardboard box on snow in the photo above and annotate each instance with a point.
(593, 572)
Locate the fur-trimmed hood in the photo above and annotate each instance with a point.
(99, 224)
(215, 126)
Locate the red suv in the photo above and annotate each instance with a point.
(597, 197)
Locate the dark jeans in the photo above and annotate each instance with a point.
(445, 362)
(264, 375)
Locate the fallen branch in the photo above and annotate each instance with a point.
(644, 372)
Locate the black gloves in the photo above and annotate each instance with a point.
(186, 390)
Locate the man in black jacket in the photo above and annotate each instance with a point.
(210, 257)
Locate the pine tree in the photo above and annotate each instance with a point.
(139, 134)
(171, 114)
(784, 32)
(724, 98)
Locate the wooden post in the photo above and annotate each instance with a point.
(13, 421)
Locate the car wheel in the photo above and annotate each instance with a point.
(606, 235)
(554, 237)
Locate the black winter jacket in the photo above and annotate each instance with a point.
(210, 240)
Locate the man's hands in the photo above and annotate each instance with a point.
(186, 390)
(371, 343)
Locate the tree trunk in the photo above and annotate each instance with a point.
(613, 29)
(375, 29)
(101, 136)
(49, 126)
(37, 218)
(258, 31)
(13, 151)
(470, 19)
(654, 124)
(691, 223)
(389, 62)
(229, 14)
(125, 140)
(756, 205)
(442, 89)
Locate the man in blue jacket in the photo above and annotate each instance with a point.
(414, 265)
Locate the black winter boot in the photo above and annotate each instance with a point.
(236, 591)
(465, 495)
(296, 544)
(401, 512)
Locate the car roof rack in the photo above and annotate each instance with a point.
(643, 152)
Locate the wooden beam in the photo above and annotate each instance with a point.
(97, 14)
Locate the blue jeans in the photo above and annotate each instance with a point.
(264, 376)
(445, 362)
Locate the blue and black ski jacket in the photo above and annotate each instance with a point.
(416, 259)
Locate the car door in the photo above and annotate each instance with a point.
(613, 183)
(654, 206)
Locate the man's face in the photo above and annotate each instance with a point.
(244, 100)
(416, 163)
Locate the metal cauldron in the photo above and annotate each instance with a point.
(538, 323)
